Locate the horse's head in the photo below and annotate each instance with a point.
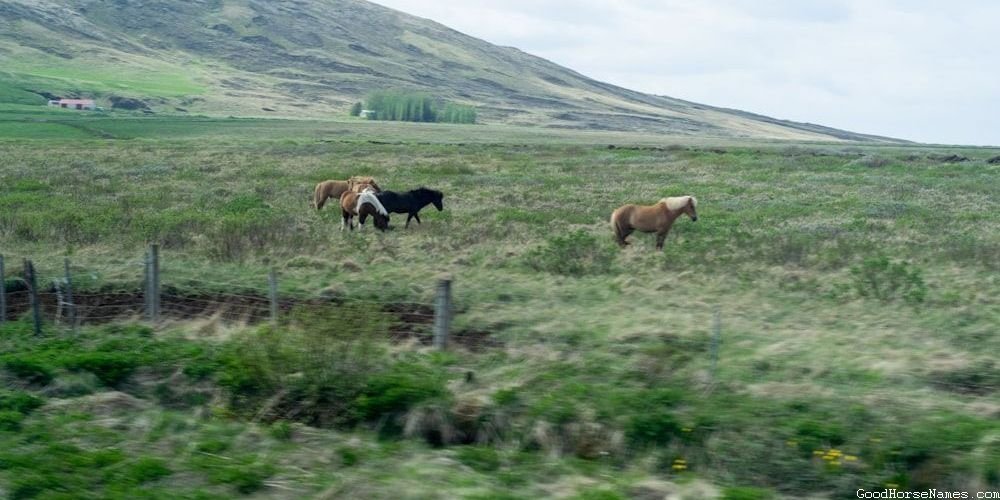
(437, 199)
(689, 208)
(433, 196)
(359, 183)
(682, 204)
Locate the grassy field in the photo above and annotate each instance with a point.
(857, 290)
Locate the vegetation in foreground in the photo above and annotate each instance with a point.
(857, 293)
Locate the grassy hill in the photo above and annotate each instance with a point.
(314, 59)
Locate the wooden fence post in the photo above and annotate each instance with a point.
(147, 287)
(442, 314)
(154, 253)
(151, 283)
(272, 288)
(29, 277)
(3, 293)
(70, 305)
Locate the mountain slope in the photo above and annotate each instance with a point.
(315, 58)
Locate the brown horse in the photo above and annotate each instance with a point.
(362, 205)
(333, 189)
(652, 218)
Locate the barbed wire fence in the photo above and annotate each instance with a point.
(52, 297)
(56, 296)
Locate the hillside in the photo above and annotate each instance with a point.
(314, 59)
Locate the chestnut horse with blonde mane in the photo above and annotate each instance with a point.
(656, 218)
(333, 189)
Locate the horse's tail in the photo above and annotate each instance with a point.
(319, 196)
(369, 197)
(616, 224)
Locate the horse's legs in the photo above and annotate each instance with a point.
(361, 220)
(659, 240)
(417, 216)
(343, 222)
(408, 217)
(622, 235)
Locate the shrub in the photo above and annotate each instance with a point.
(574, 254)
(655, 428)
(356, 109)
(480, 458)
(148, 469)
(20, 402)
(10, 420)
(399, 389)
(882, 279)
(111, 368)
(324, 370)
(281, 430)
(28, 369)
(746, 493)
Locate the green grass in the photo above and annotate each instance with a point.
(857, 300)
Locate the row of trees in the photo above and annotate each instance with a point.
(412, 107)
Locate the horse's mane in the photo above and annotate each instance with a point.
(678, 202)
(425, 191)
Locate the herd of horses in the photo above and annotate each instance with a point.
(361, 197)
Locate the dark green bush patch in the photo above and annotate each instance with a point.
(110, 368)
(148, 469)
(18, 401)
(746, 493)
(28, 369)
(882, 279)
(575, 254)
(480, 458)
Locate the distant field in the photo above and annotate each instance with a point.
(857, 289)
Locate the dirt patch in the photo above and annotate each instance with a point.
(103, 403)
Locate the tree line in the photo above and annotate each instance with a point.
(412, 107)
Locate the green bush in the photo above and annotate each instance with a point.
(656, 428)
(10, 420)
(18, 401)
(281, 430)
(746, 493)
(575, 254)
(480, 458)
(880, 278)
(148, 469)
(323, 370)
(399, 389)
(111, 368)
(356, 109)
(28, 369)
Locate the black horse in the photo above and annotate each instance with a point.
(411, 202)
